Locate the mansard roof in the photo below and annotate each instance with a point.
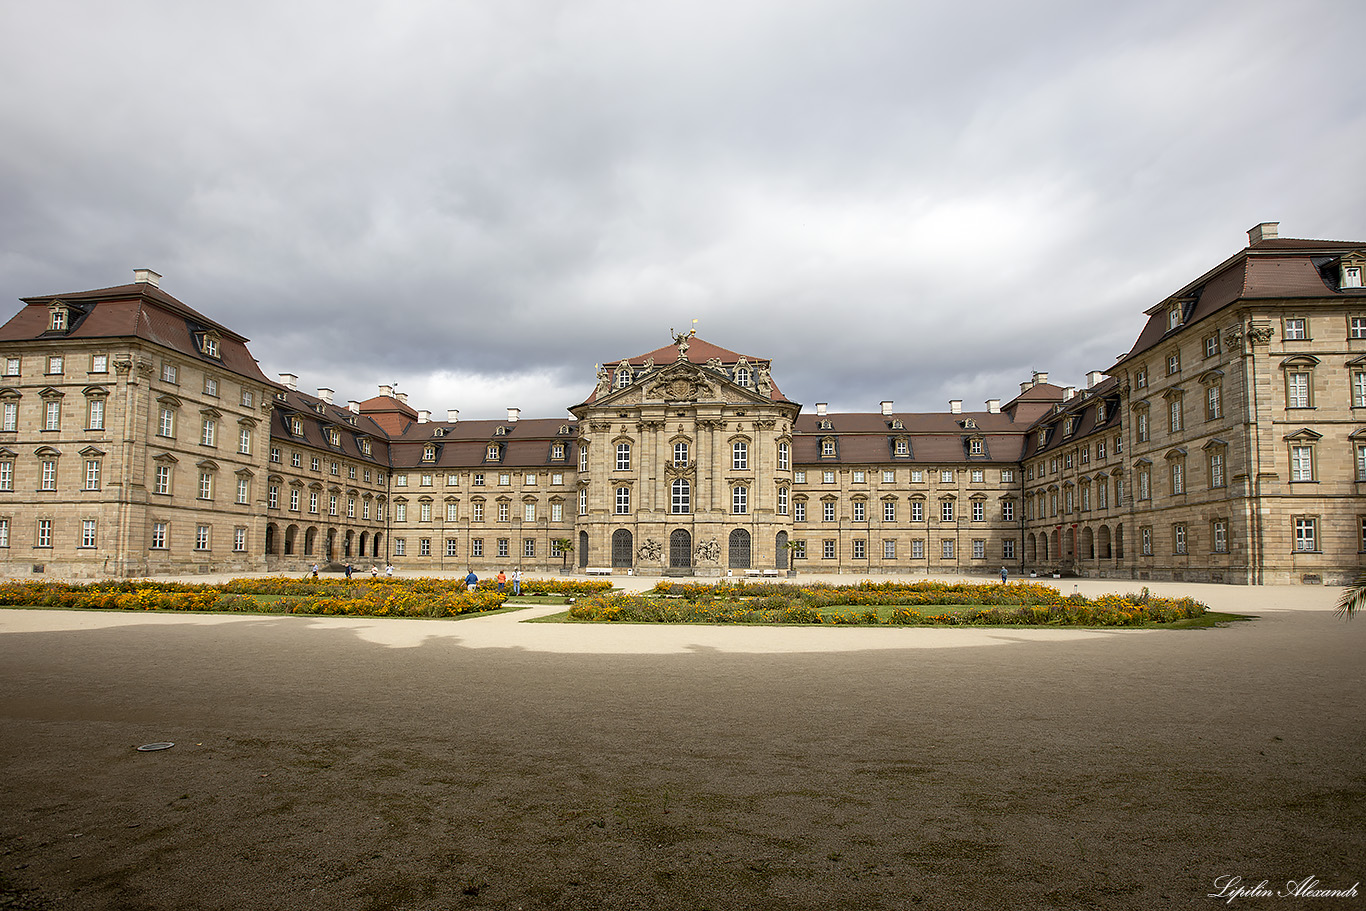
(868, 438)
(138, 310)
(700, 353)
(1273, 269)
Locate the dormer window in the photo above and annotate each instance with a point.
(1100, 412)
(211, 346)
(334, 436)
(1349, 271)
(557, 451)
(1068, 426)
(975, 447)
(898, 424)
(742, 376)
(1043, 435)
(826, 425)
(902, 446)
(969, 424)
(439, 432)
(57, 320)
(1173, 318)
(296, 426)
(365, 447)
(622, 378)
(827, 447)
(500, 431)
(491, 454)
(429, 452)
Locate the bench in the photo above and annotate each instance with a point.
(599, 571)
(754, 572)
(774, 572)
(770, 573)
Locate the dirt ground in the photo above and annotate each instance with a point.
(325, 763)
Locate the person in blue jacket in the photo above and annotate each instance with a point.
(471, 581)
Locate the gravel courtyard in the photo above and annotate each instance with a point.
(329, 763)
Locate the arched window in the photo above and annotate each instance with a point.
(622, 379)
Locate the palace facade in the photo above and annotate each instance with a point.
(1229, 444)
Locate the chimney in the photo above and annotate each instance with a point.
(353, 406)
(1025, 387)
(452, 415)
(993, 406)
(1039, 377)
(147, 277)
(955, 406)
(1068, 392)
(402, 397)
(386, 391)
(886, 407)
(290, 380)
(820, 408)
(1094, 377)
(513, 415)
(1267, 230)
(423, 417)
(325, 394)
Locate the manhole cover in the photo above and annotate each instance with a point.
(153, 747)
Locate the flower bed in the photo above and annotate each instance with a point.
(1022, 604)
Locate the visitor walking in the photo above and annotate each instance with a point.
(517, 581)
(349, 570)
(389, 570)
(315, 570)
(1003, 575)
(502, 580)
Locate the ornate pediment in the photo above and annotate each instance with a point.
(684, 385)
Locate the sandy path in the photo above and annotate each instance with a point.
(334, 763)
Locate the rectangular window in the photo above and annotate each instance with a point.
(623, 457)
(201, 537)
(1212, 404)
(209, 428)
(799, 550)
(889, 477)
(623, 500)
(1102, 494)
(1008, 510)
(452, 511)
(859, 510)
(424, 547)
(316, 464)
(858, 477)
(528, 547)
(1147, 535)
(946, 548)
(1219, 534)
(889, 549)
(365, 509)
(211, 386)
(782, 501)
(247, 398)
(1356, 327)
(889, 511)
(400, 512)
(783, 457)
(1297, 390)
(528, 512)
(1211, 345)
(739, 501)
(92, 474)
(1008, 549)
(54, 416)
(44, 532)
(294, 499)
(1361, 462)
(477, 512)
(1216, 469)
(502, 547)
(205, 485)
(1179, 539)
(313, 503)
(88, 533)
(946, 511)
(979, 549)
(1175, 410)
(860, 551)
(946, 477)
(11, 422)
(1144, 486)
(917, 511)
(7, 475)
(557, 512)
(1173, 364)
(1301, 463)
(54, 364)
(1141, 426)
(158, 535)
(739, 456)
(828, 549)
(332, 504)
(163, 479)
(918, 549)
(450, 547)
(239, 539)
(1296, 329)
(828, 477)
(296, 460)
(4, 532)
(1306, 535)
(828, 512)
(400, 547)
(583, 499)
(979, 511)
(503, 512)
(96, 414)
(168, 373)
(12, 365)
(272, 496)
(1178, 477)
(49, 476)
(799, 511)
(477, 547)
(1358, 393)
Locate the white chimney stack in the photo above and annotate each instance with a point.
(147, 277)
(1068, 392)
(955, 406)
(423, 417)
(1025, 387)
(1267, 230)
(886, 407)
(353, 406)
(402, 397)
(820, 407)
(993, 406)
(452, 415)
(386, 391)
(1040, 377)
(325, 394)
(290, 381)
(513, 415)
(1094, 377)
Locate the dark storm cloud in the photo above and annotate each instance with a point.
(913, 202)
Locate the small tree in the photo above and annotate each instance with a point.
(566, 546)
(1353, 598)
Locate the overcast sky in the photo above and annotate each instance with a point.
(479, 201)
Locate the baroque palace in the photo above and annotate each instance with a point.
(140, 437)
